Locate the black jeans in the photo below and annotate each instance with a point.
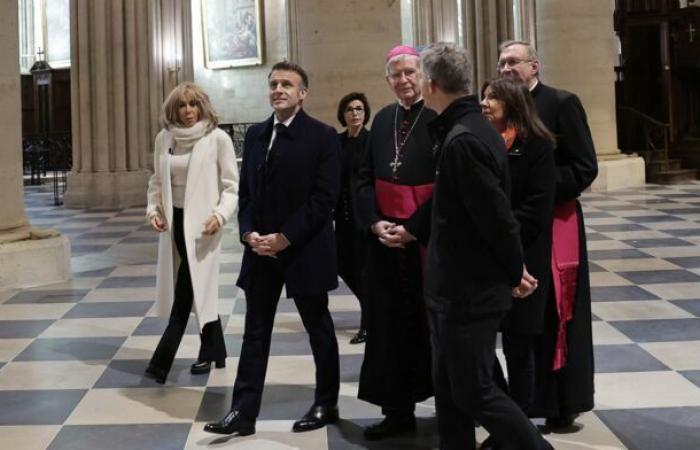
(212, 346)
(464, 347)
(519, 350)
(262, 298)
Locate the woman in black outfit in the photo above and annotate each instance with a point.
(351, 240)
(508, 105)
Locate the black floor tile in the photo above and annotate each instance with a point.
(660, 330)
(620, 293)
(122, 437)
(38, 407)
(660, 276)
(625, 358)
(108, 309)
(62, 349)
(23, 329)
(655, 428)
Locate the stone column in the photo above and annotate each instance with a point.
(577, 48)
(342, 47)
(126, 56)
(28, 257)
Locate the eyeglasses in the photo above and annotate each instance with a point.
(511, 62)
(356, 109)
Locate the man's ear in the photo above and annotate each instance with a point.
(431, 86)
(302, 93)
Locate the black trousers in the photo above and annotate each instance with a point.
(262, 298)
(351, 247)
(519, 350)
(464, 348)
(212, 346)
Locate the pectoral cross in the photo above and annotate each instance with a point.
(395, 165)
(691, 32)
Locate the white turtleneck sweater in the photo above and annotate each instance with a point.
(179, 161)
(185, 139)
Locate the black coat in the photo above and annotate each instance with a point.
(570, 390)
(297, 198)
(352, 153)
(351, 237)
(575, 159)
(531, 166)
(474, 253)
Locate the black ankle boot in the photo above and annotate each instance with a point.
(202, 367)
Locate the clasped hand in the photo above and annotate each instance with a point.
(266, 244)
(392, 235)
(527, 285)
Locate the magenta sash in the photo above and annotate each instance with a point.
(399, 201)
(565, 262)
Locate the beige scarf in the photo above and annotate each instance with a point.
(185, 138)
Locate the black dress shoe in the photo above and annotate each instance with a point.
(201, 367)
(154, 373)
(390, 426)
(564, 421)
(232, 423)
(359, 338)
(316, 417)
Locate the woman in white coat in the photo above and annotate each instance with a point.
(191, 194)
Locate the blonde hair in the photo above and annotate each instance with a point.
(169, 112)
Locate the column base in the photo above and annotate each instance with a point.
(619, 171)
(106, 189)
(34, 262)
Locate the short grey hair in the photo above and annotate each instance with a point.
(531, 50)
(449, 66)
(398, 58)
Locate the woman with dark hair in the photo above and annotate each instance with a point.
(508, 105)
(192, 193)
(353, 113)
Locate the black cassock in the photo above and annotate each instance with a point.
(396, 368)
(570, 389)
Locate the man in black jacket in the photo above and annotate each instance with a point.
(290, 179)
(563, 385)
(474, 261)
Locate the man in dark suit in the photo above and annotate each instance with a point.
(290, 179)
(564, 360)
(474, 261)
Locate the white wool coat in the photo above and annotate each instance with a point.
(211, 187)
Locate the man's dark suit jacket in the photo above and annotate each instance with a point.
(293, 193)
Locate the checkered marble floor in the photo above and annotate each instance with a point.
(72, 355)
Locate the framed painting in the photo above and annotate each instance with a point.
(232, 33)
